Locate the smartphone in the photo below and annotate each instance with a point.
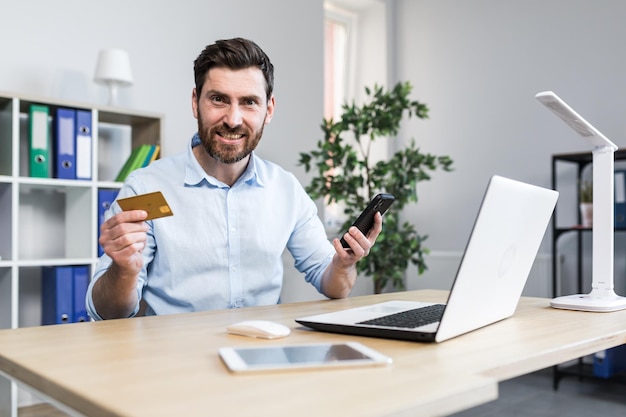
(365, 221)
(291, 357)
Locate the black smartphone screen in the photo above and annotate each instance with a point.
(380, 203)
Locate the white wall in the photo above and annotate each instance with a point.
(478, 65)
(49, 48)
(370, 68)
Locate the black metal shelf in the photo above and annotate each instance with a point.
(580, 161)
(584, 371)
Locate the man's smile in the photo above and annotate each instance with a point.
(230, 138)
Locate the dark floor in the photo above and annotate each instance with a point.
(533, 396)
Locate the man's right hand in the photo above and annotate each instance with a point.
(123, 238)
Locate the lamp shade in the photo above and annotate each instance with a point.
(113, 67)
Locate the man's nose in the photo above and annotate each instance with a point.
(233, 116)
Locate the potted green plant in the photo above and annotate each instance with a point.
(346, 174)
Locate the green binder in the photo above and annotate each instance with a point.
(39, 141)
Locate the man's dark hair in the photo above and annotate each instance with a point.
(235, 54)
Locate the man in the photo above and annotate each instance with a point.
(234, 213)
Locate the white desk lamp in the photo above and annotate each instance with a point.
(113, 70)
(602, 297)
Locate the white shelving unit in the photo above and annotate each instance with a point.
(49, 221)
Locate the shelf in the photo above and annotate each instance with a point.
(6, 131)
(6, 224)
(583, 158)
(558, 231)
(571, 257)
(63, 215)
(5, 288)
(52, 221)
(585, 371)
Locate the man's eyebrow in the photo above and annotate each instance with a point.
(252, 97)
(214, 92)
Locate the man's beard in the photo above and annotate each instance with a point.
(225, 153)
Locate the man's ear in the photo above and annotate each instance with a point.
(194, 103)
(271, 104)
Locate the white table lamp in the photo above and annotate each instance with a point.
(602, 297)
(113, 70)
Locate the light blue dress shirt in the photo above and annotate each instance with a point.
(223, 246)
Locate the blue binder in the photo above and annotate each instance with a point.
(81, 282)
(57, 294)
(65, 144)
(106, 197)
(609, 362)
(83, 144)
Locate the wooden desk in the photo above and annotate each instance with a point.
(168, 365)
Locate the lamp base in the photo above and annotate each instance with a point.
(589, 302)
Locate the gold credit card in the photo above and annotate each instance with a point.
(154, 203)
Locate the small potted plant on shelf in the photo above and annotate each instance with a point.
(586, 203)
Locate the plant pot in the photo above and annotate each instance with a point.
(586, 214)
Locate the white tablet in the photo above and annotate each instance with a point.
(291, 357)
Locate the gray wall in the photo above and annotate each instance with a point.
(478, 65)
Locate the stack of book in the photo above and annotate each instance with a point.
(140, 157)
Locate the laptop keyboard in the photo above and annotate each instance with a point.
(410, 318)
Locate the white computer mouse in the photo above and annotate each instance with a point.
(259, 328)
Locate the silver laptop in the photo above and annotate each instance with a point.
(502, 247)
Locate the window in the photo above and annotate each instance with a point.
(338, 28)
(354, 38)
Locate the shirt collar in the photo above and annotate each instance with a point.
(195, 175)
